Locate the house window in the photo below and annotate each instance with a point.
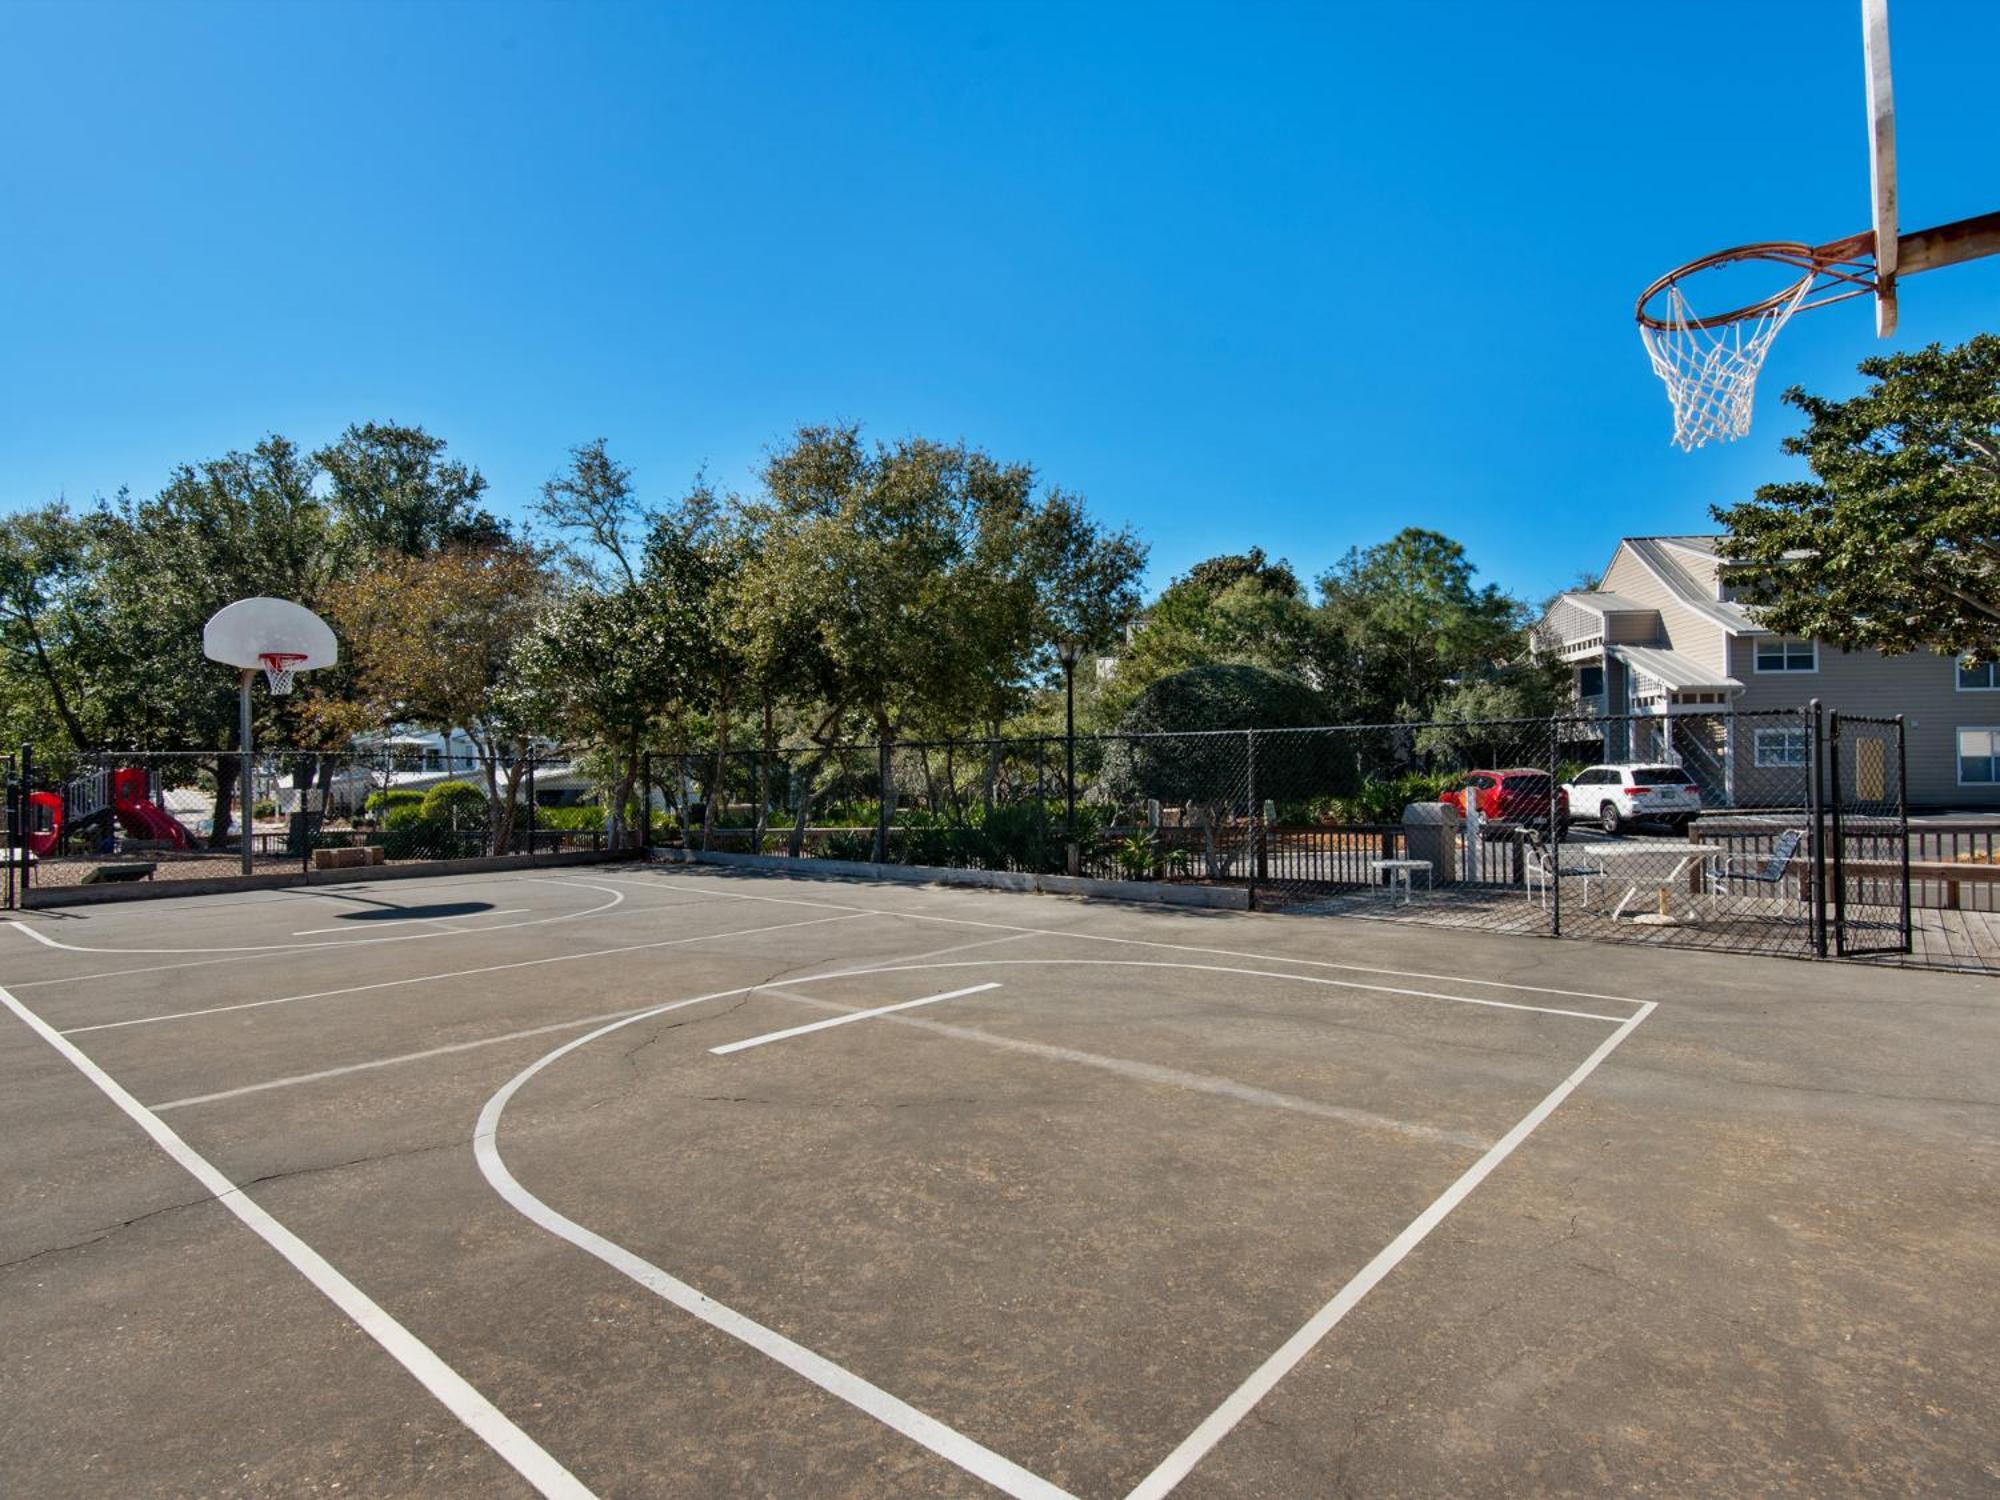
(1590, 681)
(1984, 678)
(1979, 757)
(1781, 747)
(1786, 653)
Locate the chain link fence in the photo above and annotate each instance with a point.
(114, 817)
(1733, 831)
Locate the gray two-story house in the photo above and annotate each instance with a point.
(1664, 637)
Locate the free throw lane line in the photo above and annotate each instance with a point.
(528, 1458)
(843, 1020)
(1178, 1464)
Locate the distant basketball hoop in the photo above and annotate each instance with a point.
(273, 636)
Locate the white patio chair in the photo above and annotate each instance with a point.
(1545, 865)
(1740, 874)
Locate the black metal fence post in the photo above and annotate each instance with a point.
(1815, 729)
(1903, 829)
(1256, 811)
(1839, 836)
(27, 821)
(1552, 871)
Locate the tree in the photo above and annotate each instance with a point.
(593, 498)
(1894, 543)
(432, 639)
(392, 490)
(916, 583)
(244, 524)
(1183, 742)
(46, 599)
(598, 668)
(1412, 621)
(1475, 723)
(1237, 608)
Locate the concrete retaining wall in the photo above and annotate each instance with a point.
(1163, 893)
(159, 890)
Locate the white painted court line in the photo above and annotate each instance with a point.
(521, 1452)
(1179, 1463)
(664, 879)
(525, 963)
(1202, 1083)
(515, 1036)
(920, 1427)
(363, 924)
(846, 1019)
(617, 898)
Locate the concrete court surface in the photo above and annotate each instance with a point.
(473, 1187)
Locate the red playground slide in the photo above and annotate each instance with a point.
(139, 815)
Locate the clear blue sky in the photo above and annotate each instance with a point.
(1288, 276)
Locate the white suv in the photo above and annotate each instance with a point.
(1612, 796)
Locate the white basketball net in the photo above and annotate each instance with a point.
(1711, 373)
(280, 671)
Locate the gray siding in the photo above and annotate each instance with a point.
(1922, 686)
(1681, 628)
(1633, 628)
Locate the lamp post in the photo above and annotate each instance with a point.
(1067, 652)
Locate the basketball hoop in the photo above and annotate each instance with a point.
(280, 668)
(1709, 363)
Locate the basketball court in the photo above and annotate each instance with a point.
(669, 1180)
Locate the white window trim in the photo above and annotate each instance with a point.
(1959, 683)
(1762, 670)
(1757, 756)
(1958, 759)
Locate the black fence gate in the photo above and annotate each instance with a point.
(1867, 819)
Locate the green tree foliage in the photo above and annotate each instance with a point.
(917, 583)
(48, 606)
(593, 502)
(1186, 766)
(1412, 621)
(1894, 542)
(1239, 608)
(1467, 728)
(393, 490)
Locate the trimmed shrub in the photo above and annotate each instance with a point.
(464, 798)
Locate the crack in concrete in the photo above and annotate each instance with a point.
(106, 1231)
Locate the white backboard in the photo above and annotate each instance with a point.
(241, 633)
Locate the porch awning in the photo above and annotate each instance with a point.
(1673, 671)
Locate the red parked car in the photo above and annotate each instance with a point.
(1517, 796)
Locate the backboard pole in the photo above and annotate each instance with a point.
(245, 799)
(1881, 159)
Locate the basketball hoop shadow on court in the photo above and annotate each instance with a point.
(1709, 361)
(279, 639)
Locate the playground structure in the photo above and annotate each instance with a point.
(124, 799)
